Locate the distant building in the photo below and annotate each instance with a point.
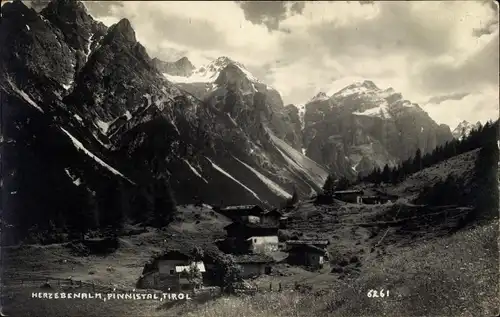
(307, 255)
(170, 271)
(253, 237)
(350, 196)
(253, 265)
(271, 217)
(284, 221)
(243, 212)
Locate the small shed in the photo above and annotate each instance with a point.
(256, 237)
(169, 271)
(307, 255)
(242, 212)
(350, 196)
(253, 265)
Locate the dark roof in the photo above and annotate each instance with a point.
(273, 212)
(240, 207)
(306, 248)
(251, 225)
(174, 254)
(348, 192)
(252, 258)
(307, 242)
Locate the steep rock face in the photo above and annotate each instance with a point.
(112, 133)
(362, 126)
(181, 67)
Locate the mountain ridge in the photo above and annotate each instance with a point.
(111, 121)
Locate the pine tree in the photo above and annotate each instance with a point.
(386, 174)
(329, 186)
(164, 203)
(343, 183)
(417, 161)
(82, 218)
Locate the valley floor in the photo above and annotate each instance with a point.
(427, 272)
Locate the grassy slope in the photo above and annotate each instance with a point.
(122, 268)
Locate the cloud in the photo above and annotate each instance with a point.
(424, 50)
(439, 99)
(471, 73)
(476, 107)
(270, 13)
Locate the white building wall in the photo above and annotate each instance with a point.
(264, 243)
(165, 266)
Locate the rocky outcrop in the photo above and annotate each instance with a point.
(181, 67)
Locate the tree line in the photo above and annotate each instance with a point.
(479, 137)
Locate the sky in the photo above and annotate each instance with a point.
(441, 55)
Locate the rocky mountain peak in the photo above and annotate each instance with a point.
(369, 84)
(319, 97)
(184, 61)
(464, 128)
(72, 18)
(122, 32)
(72, 9)
(17, 8)
(182, 67)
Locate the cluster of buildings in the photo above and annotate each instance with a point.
(251, 240)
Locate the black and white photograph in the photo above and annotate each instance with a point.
(249, 158)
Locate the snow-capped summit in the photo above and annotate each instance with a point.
(366, 86)
(363, 126)
(464, 128)
(210, 72)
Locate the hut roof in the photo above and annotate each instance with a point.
(252, 258)
(306, 248)
(350, 191)
(308, 242)
(240, 207)
(251, 225)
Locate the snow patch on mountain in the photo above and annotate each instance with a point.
(24, 96)
(77, 117)
(275, 188)
(210, 72)
(218, 168)
(103, 126)
(89, 46)
(300, 162)
(80, 146)
(380, 111)
(75, 179)
(232, 120)
(195, 171)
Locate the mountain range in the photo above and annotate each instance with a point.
(90, 119)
